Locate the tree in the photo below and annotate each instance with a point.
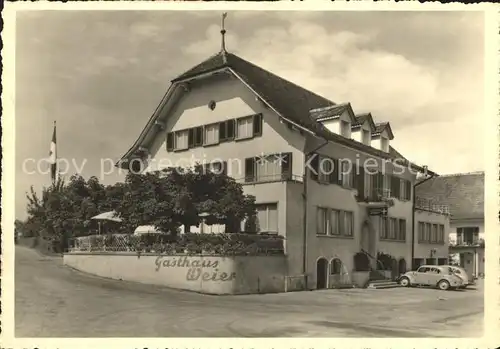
(177, 197)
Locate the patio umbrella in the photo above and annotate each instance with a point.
(111, 216)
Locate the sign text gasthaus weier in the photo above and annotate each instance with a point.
(197, 268)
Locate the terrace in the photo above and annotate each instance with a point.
(428, 205)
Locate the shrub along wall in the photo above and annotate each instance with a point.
(190, 243)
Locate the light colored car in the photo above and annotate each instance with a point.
(440, 276)
(462, 273)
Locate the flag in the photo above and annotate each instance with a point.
(53, 156)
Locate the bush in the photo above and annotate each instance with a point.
(189, 243)
(384, 261)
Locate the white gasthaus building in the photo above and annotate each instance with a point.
(235, 113)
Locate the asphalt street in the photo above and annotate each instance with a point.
(55, 301)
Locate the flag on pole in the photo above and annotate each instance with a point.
(53, 156)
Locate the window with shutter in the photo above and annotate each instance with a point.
(335, 222)
(244, 127)
(286, 166)
(368, 184)
(191, 138)
(378, 184)
(383, 228)
(198, 136)
(394, 181)
(360, 181)
(226, 130)
(170, 141)
(346, 173)
(397, 188)
(336, 173)
(230, 124)
(181, 140)
(402, 191)
(257, 125)
(421, 231)
(250, 170)
(408, 190)
(314, 166)
(211, 134)
(222, 131)
(402, 230)
(393, 229)
(348, 223)
(323, 223)
(325, 169)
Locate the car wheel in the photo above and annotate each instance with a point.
(443, 285)
(405, 282)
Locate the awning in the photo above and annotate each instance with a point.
(146, 229)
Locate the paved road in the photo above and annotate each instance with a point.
(54, 301)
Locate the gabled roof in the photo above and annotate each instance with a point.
(380, 127)
(291, 101)
(462, 192)
(395, 154)
(332, 112)
(362, 118)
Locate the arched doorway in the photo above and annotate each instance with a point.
(338, 275)
(402, 266)
(321, 273)
(335, 266)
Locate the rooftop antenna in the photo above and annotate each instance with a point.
(223, 42)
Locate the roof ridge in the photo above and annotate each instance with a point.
(281, 78)
(462, 174)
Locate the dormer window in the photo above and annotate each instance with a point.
(345, 128)
(384, 144)
(365, 137)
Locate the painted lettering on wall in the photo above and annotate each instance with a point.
(195, 274)
(184, 262)
(196, 268)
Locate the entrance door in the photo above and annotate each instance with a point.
(402, 266)
(321, 273)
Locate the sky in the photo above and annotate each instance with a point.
(101, 74)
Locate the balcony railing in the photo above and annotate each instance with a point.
(429, 205)
(270, 178)
(375, 195)
(467, 243)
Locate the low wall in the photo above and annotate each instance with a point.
(205, 274)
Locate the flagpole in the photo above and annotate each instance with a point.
(53, 156)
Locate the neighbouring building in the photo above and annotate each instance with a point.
(463, 193)
(292, 150)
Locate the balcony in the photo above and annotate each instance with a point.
(428, 205)
(467, 243)
(375, 195)
(280, 177)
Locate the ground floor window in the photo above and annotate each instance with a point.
(430, 261)
(267, 217)
(417, 262)
(442, 261)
